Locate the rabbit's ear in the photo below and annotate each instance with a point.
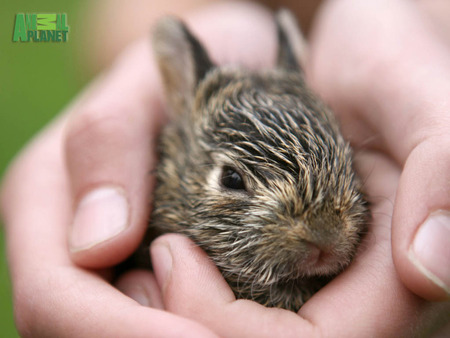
(292, 44)
(182, 61)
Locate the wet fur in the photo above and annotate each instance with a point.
(284, 142)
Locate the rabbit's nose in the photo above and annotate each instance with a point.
(313, 254)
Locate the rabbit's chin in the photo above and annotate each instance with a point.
(323, 266)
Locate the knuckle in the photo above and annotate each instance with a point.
(21, 321)
(37, 312)
(92, 126)
(436, 148)
(23, 312)
(430, 159)
(430, 127)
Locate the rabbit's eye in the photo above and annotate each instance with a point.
(231, 179)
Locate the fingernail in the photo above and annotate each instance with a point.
(162, 263)
(139, 295)
(430, 251)
(101, 215)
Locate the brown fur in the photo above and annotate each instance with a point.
(300, 188)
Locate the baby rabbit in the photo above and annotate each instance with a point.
(254, 170)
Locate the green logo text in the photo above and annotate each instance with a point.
(40, 27)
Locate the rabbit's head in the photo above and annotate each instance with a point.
(254, 170)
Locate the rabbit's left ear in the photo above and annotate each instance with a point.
(291, 42)
(182, 60)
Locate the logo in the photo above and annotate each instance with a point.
(40, 27)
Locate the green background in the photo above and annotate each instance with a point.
(36, 81)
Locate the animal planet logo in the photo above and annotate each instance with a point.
(41, 27)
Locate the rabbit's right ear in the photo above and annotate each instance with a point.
(182, 60)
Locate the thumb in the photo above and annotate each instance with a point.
(389, 78)
(109, 146)
(421, 220)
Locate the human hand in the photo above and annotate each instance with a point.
(104, 140)
(53, 296)
(386, 71)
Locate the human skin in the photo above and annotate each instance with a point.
(53, 294)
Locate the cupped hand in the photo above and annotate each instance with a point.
(53, 297)
(76, 200)
(385, 68)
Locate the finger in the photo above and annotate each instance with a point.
(421, 232)
(52, 297)
(89, 308)
(109, 147)
(194, 288)
(141, 286)
(395, 89)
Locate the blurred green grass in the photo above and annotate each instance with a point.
(36, 81)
